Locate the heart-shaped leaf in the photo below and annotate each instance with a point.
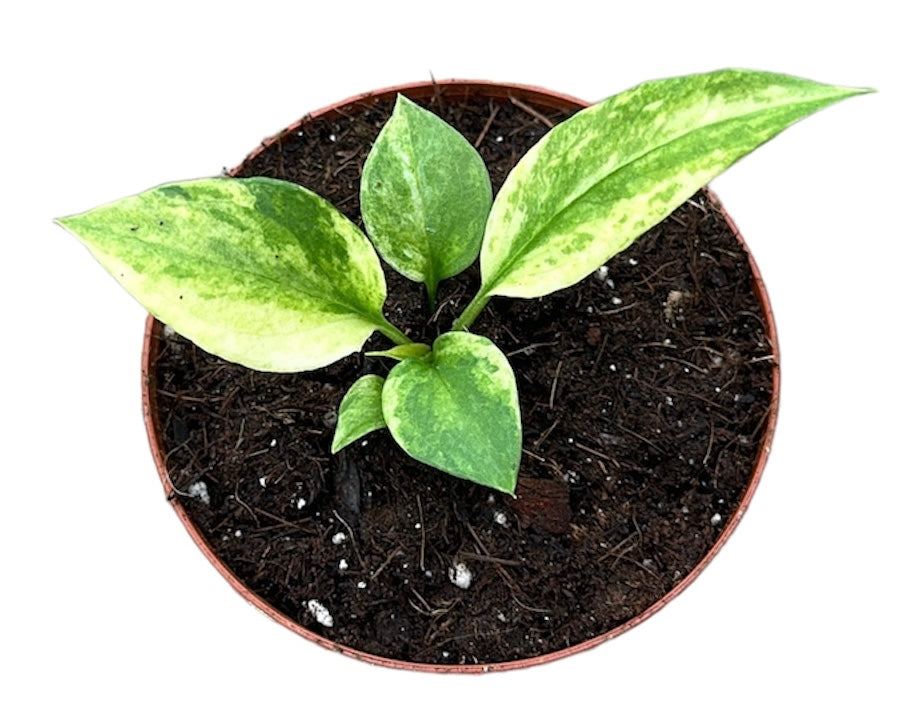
(458, 410)
(359, 412)
(425, 195)
(261, 272)
(600, 179)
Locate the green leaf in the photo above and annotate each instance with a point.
(407, 350)
(258, 271)
(599, 180)
(425, 195)
(360, 412)
(458, 411)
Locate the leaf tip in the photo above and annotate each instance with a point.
(403, 101)
(64, 221)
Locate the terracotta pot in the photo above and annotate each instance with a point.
(536, 98)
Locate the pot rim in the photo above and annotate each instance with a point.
(515, 93)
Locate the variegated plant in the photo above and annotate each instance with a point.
(270, 275)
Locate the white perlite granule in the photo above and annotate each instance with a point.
(338, 538)
(460, 575)
(319, 612)
(199, 490)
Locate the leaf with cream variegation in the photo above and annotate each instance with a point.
(425, 195)
(457, 410)
(359, 412)
(258, 271)
(600, 179)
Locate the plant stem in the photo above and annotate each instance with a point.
(394, 333)
(431, 294)
(462, 322)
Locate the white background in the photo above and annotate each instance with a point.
(107, 608)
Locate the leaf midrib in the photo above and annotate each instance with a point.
(200, 259)
(430, 272)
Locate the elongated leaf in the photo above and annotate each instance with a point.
(258, 271)
(359, 412)
(458, 411)
(425, 195)
(596, 182)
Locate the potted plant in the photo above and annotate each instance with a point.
(416, 567)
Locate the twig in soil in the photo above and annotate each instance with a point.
(647, 279)
(422, 535)
(674, 217)
(687, 364)
(596, 453)
(394, 553)
(175, 490)
(530, 609)
(545, 434)
(183, 398)
(530, 454)
(613, 311)
(655, 344)
(700, 207)
(441, 306)
(345, 161)
(506, 577)
(436, 91)
(614, 551)
(245, 505)
(711, 439)
(555, 383)
(429, 610)
(527, 350)
(762, 421)
(640, 566)
(487, 558)
(673, 391)
(492, 116)
(636, 435)
(548, 123)
(352, 538)
(635, 523)
(241, 431)
(282, 521)
(600, 354)
(476, 539)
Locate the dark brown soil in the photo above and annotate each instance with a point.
(644, 396)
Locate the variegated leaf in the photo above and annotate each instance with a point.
(359, 412)
(458, 411)
(597, 181)
(258, 271)
(425, 196)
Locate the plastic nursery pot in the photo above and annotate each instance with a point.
(534, 101)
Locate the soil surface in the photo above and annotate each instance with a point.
(644, 395)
